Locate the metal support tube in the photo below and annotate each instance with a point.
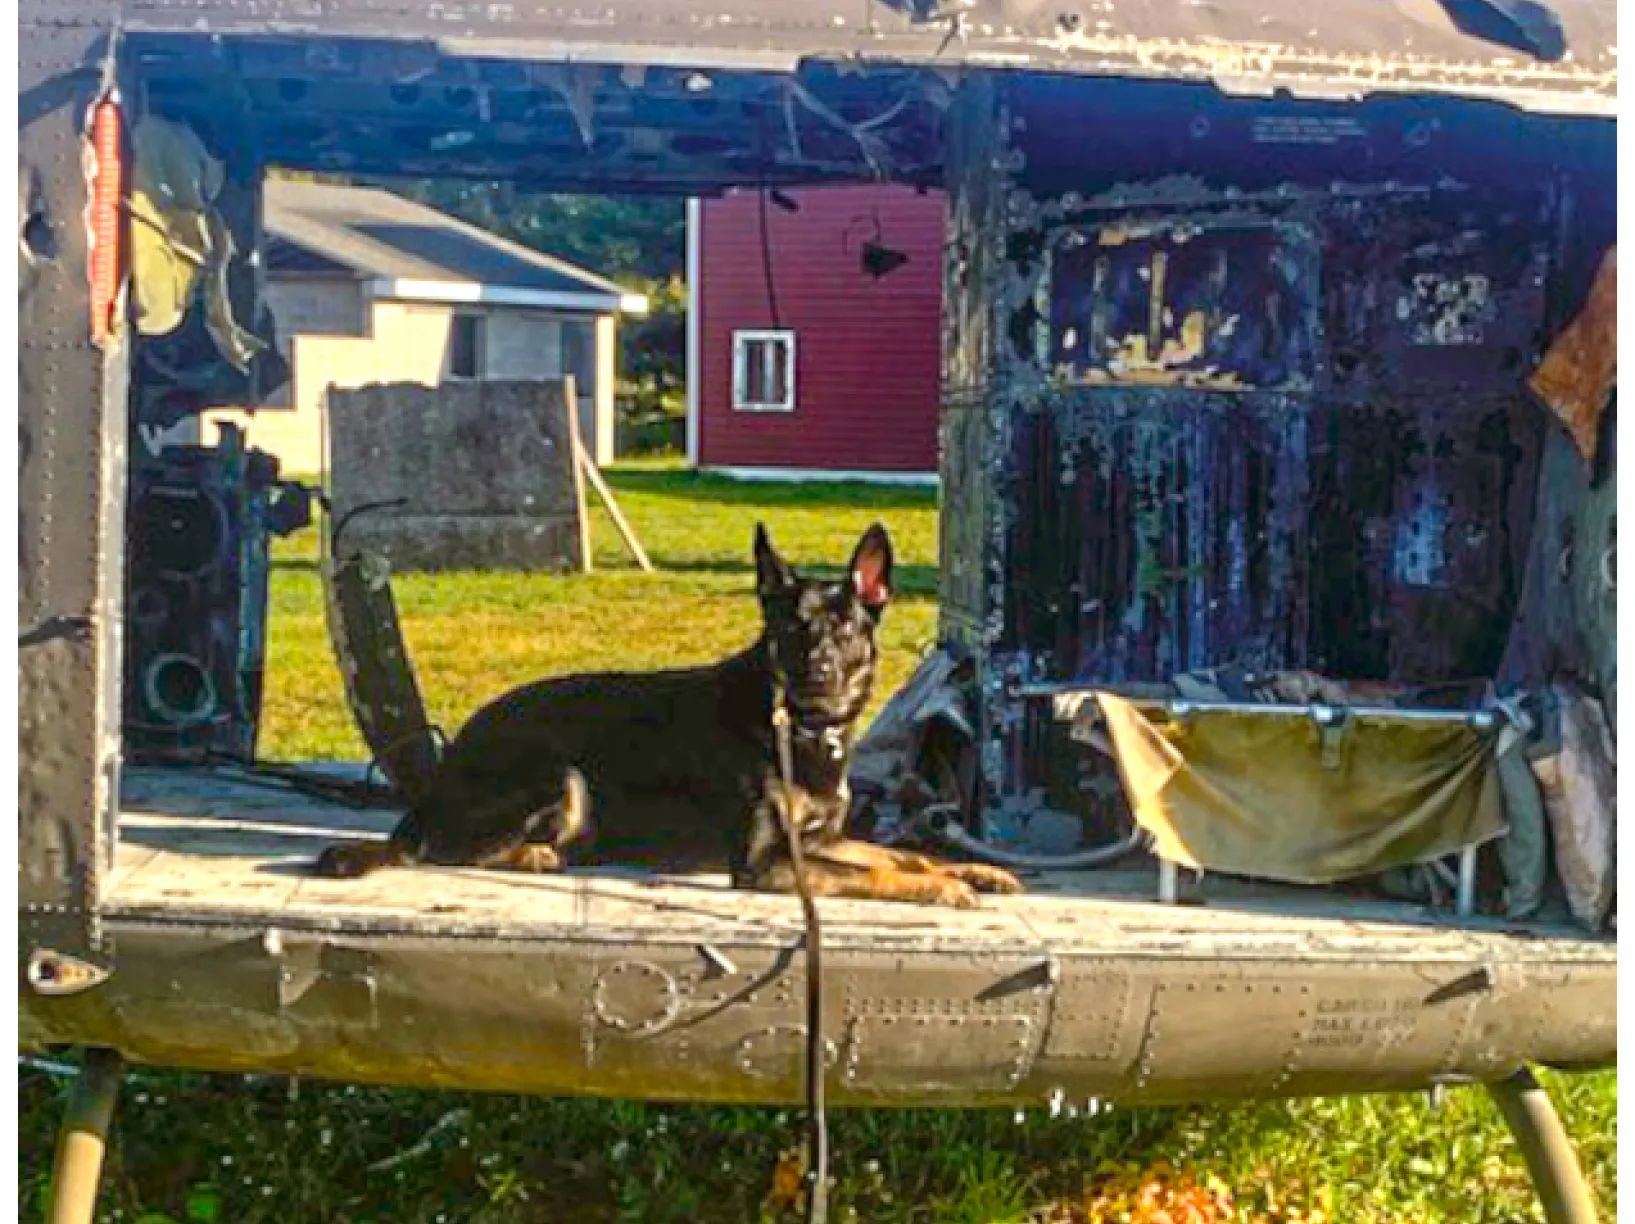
(1557, 1176)
(941, 822)
(1465, 898)
(1169, 878)
(84, 1138)
(1322, 712)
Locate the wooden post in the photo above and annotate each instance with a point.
(570, 392)
(606, 494)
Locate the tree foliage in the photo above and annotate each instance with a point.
(635, 240)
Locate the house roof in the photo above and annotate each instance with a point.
(410, 251)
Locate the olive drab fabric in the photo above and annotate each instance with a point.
(181, 246)
(1277, 797)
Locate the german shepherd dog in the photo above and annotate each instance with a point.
(681, 769)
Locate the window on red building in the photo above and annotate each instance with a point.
(763, 371)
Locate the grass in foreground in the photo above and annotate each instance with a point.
(206, 1149)
(202, 1149)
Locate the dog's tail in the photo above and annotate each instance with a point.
(568, 818)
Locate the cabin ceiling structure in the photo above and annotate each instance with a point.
(685, 97)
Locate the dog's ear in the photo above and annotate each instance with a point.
(871, 569)
(772, 572)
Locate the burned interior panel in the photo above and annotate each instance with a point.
(1267, 414)
(1369, 500)
(1157, 545)
(1222, 304)
(971, 266)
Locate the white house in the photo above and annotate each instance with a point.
(368, 287)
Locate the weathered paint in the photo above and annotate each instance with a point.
(1345, 49)
(1247, 402)
(71, 492)
(600, 1014)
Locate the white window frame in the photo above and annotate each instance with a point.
(741, 340)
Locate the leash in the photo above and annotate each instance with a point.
(817, 1123)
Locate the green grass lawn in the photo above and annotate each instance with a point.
(474, 635)
(217, 1148)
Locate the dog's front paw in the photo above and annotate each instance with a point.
(985, 878)
(946, 890)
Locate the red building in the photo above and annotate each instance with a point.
(837, 372)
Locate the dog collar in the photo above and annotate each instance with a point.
(834, 739)
(784, 723)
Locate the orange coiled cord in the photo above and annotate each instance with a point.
(107, 198)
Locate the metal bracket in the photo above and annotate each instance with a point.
(337, 979)
(1332, 726)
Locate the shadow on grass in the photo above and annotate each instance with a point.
(915, 580)
(724, 491)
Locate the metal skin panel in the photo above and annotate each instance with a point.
(1339, 51)
(955, 1027)
(684, 1021)
(71, 483)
